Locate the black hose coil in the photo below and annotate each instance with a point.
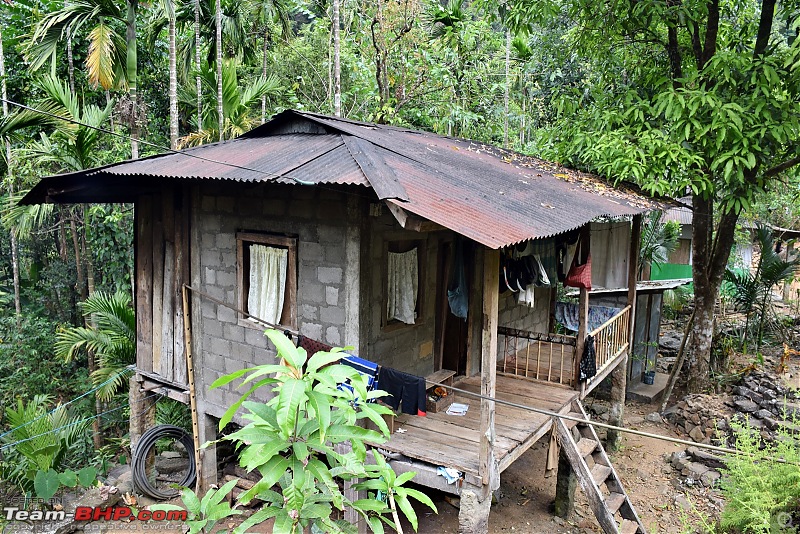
(146, 443)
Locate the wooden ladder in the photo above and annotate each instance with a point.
(596, 475)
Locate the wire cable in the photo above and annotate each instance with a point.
(597, 423)
(143, 448)
(154, 145)
(60, 406)
(74, 423)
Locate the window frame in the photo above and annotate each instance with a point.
(243, 240)
(405, 244)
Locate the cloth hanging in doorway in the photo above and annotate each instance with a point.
(403, 286)
(267, 282)
(458, 293)
(588, 365)
(405, 389)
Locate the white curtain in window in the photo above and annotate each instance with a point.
(267, 282)
(403, 286)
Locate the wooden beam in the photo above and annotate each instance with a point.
(412, 222)
(144, 282)
(583, 315)
(491, 271)
(619, 375)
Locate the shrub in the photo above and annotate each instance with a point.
(296, 442)
(762, 486)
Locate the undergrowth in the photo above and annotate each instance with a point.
(762, 485)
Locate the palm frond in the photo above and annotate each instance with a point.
(100, 59)
(24, 220)
(24, 118)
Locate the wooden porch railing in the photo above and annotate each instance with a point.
(548, 357)
(611, 338)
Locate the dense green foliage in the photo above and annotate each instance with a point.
(306, 435)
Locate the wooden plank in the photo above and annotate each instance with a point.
(614, 501)
(181, 278)
(158, 281)
(167, 309)
(586, 447)
(600, 473)
(144, 283)
(455, 432)
(583, 314)
(491, 270)
(592, 492)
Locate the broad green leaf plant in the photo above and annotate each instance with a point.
(308, 436)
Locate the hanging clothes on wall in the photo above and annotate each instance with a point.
(312, 346)
(405, 389)
(403, 286)
(588, 364)
(457, 291)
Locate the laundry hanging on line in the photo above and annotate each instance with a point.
(567, 313)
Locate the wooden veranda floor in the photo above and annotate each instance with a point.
(454, 441)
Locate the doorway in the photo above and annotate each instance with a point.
(451, 331)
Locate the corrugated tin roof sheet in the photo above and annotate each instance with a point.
(492, 196)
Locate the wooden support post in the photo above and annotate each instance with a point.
(583, 314)
(619, 376)
(491, 271)
(473, 515)
(565, 487)
(143, 409)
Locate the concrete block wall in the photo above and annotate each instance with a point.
(407, 348)
(512, 314)
(318, 218)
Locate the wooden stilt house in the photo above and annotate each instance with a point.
(424, 253)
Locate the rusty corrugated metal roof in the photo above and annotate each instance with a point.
(492, 196)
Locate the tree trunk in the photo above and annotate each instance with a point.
(337, 71)
(264, 54)
(10, 178)
(81, 282)
(70, 63)
(131, 67)
(507, 88)
(198, 64)
(173, 81)
(218, 37)
(710, 252)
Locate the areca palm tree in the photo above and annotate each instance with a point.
(112, 338)
(112, 60)
(237, 103)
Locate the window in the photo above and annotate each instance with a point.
(403, 276)
(267, 276)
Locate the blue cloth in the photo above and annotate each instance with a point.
(458, 294)
(365, 367)
(567, 314)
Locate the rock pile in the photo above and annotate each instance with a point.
(759, 400)
(698, 466)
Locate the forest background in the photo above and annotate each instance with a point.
(683, 97)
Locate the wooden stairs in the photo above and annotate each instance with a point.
(596, 475)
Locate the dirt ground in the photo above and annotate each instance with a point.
(524, 502)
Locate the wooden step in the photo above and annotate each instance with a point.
(570, 423)
(628, 527)
(614, 501)
(600, 473)
(586, 447)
